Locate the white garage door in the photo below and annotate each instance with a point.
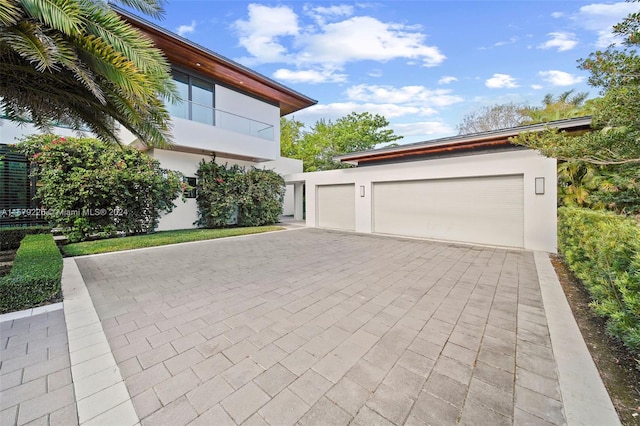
(486, 210)
(336, 206)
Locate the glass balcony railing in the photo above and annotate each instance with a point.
(222, 119)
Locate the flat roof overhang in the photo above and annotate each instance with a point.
(182, 52)
(460, 144)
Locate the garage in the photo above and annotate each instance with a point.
(485, 210)
(476, 188)
(336, 207)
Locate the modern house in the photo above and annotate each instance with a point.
(477, 188)
(228, 111)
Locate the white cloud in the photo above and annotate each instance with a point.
(375, 73)
(366, 38)
(501, 81)
(186, 29)
(560, 78)
(563, 41)
(411, 95)
(427, 129)
(332, 44)
(557, 15)
(536, 86)
(260, 34)
(310, 76)
(505, 42)
(336, 110)
(321, 14)
(446, 79)
(600, 18)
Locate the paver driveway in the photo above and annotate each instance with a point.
(321, 327)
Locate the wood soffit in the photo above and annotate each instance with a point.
(190, 56)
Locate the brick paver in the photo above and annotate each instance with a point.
(313, 326)
(35, 371)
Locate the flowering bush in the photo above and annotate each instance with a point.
(229, 195)
(94, 189)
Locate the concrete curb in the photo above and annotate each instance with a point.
(101, 395)
(31, 312)
(585, 399)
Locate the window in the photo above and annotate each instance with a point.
(197, 99)
(191, 192)
(17, 189)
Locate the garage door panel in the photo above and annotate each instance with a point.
(486, 210)
(336, 206)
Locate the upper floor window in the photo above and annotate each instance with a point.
(197, 99)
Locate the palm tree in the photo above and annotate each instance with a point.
(566, 105)
(77, 62)
(576, 181)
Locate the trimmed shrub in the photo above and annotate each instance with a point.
(603, 250)
(10, 237)
(35, 276)
(255, 195)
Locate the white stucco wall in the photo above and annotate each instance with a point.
(11, 132)
(285, 166)
(540, 220)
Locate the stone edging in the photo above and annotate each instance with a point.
(584, 397)
(31, 312)
(101, 395)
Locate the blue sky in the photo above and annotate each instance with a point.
(421, 64)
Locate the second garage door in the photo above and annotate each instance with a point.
(486, 210)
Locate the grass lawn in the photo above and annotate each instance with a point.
(159, 239)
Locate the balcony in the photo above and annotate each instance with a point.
(225, 120)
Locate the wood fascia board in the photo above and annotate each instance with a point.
(471, 142)
(188, 55)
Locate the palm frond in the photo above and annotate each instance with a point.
(61, 15)
(113, 66)
(136, 46)
(10, 12)
(28, 41)
(68, 58)
(154, 8)
(79, 63)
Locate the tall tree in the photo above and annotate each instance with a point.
(327, 139)
(488, 118)
(291, 132)
(77, 62)
(616, 115)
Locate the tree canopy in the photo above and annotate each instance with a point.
(567, 104)
(487, 118)
(327, 139)
(78, 63)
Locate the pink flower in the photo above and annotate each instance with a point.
(220, 180)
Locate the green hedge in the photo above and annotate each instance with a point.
(10, 237)
(603, 250)
(233, 195)
(35, 276)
